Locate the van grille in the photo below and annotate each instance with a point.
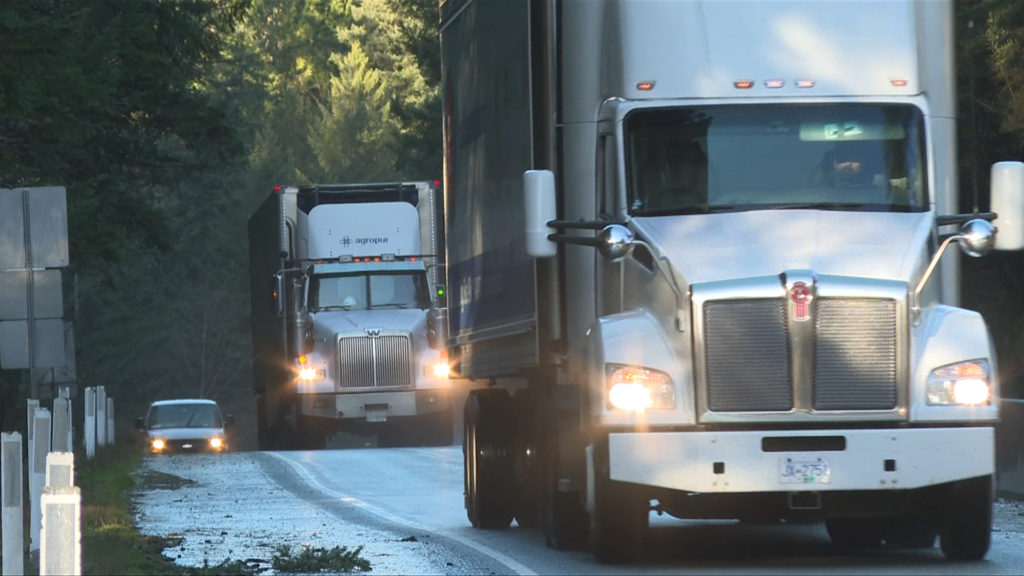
(375, 362)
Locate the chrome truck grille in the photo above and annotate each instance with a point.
(375, 362)
(845, 359)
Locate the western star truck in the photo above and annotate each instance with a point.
(348, 325)
(698, 251)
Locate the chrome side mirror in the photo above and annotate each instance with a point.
(977, 237)
(614, 242)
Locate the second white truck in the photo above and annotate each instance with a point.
(348, 322)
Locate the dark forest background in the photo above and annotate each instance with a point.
(169, 120)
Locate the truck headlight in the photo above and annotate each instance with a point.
(638, 389)
(308, 372)
(964, 383)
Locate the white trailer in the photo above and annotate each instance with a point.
(347, 310)
(698, 248)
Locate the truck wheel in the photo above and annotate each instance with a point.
(967, 530)
(855, 532)
(618, 523)
(487, 451)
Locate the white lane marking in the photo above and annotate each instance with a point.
(302, 471)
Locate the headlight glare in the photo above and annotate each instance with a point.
(637, 389)
(216, 443)
(158, 444)
(965, 383)
(441, 369)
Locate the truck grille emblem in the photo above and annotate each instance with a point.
(800, 294)
(373, 332)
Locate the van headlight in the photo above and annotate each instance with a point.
(964, 384)
(217, 443)
(637, 389)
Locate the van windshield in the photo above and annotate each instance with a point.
(184, 416)
(864, 157)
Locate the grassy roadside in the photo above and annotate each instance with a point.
(110, 543)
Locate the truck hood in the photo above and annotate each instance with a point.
(715, 247)
(358, 321)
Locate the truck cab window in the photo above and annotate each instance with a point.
(370, 290)
(852, 157)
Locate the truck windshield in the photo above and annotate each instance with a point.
(369, 290)
(729, 158)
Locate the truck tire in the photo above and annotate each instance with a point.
(487, 457)
(619, 521)
(967, 530)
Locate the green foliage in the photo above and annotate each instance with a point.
(315, 560)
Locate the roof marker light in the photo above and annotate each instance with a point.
(743, 84)
(774, 83)
(805, 83)
(646, 85)
(899, 82)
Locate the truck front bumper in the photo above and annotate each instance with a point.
(381, 406)
(805, 460)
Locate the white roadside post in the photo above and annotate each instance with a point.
(60, 469)
(61, 424)
(110, 421)
(12, 494)
(89, 432)
(30, 428)
(65, 393)
(101, 416)
(61, 535)
(61, 552)
(37, 472)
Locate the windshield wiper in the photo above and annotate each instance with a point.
(815, 206)
(695, 209)
(333, 307)
(390, 305)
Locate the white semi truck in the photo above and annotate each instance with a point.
(348, 324)
(698, 249)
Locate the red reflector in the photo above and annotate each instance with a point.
(805, 83)
(278, 188)
(899, 82)
(743, 84)
(646, 85)
(437, 182)
(412, 259)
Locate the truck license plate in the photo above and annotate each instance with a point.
(792, 471)
(376, 413)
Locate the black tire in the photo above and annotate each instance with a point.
(855, 532)
(487, 456)
(618, 524)
(967, 529)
